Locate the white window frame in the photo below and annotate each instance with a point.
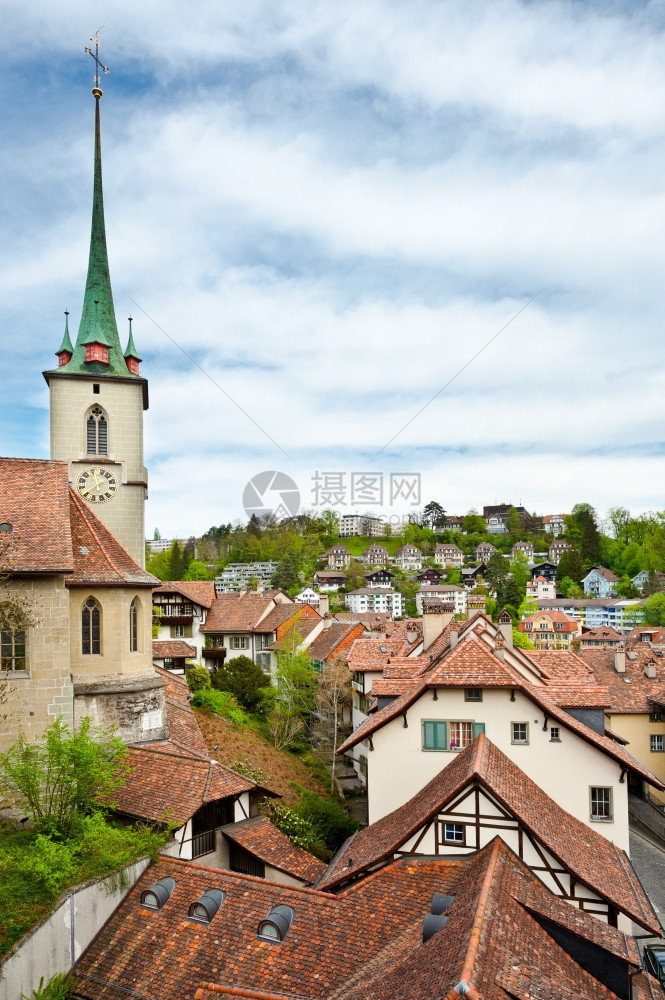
(513, 738)
(654, 739)
(594, 813)
(239, 642)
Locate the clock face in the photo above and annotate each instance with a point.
(97, 485)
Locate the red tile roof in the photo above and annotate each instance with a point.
(628, 692)
(270, 845)
(99, 558)
(363, 944)
(237, 612)
(171, 647)
(34, 499)
(176, 686)
(592, 858)
(201, 592)
(169, 785)
(333, 640)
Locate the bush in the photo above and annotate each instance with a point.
(220, 703)
(249, 770)
(297, 828)
(61, 987)
(198, 679)
(328, 819)
(244, 679)
(65, 775)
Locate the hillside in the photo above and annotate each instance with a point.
(229, 745)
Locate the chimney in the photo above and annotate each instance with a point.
(500, 646)
(327, 620)
(620, 661)
(506, 628)
(650, 670)
(324, 605)
(411, 633)
(454, 637)
(259, 587)
(436, 616)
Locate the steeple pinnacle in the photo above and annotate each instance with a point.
(98, 324)
(65, 350)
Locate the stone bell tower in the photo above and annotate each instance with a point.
(97, 394)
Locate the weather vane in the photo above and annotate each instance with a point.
(95, 55)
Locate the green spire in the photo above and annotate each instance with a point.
(131, 351)
(66, 344)
(98, 324)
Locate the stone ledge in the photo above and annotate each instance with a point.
(123, 686)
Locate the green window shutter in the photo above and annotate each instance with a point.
(188, 632)
(435, 736)
(478, 728)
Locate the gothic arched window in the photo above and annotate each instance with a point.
(97, 432)
(134, 626)
(91, 627)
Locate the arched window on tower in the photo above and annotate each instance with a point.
(134, 626)
(91, 627)
(97, 432)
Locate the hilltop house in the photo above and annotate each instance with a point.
(375, 555)
(557, 549)
(446, 554)
(484, 552)
(339, 557)
(600, 582)
(526, 548)
(550, 629)
(554, 524)
(381, 599)
(408, 557)
(447, 592)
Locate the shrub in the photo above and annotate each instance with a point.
(61, 987)
(249, 770)
(297, 828)
(328, 819)
(198, 679)
(220, 703)
(244, 679)
(65, 775)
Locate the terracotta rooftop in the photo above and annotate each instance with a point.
(328, 641)
(176, 686)
(279, 614)
(169, 785)
(201, 592)
(237, 612)
(303, 626)
(363, 944)
(171, 647)
(629, 691)
(41, 537)
(270, 845)
(98, 557)
(592, 858)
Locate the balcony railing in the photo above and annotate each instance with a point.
(214, 654)
(203, 843)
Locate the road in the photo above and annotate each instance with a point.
(649, 863)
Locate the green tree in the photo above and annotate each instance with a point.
(65, 775)
(244, 679)
(619, 518)
(626, 588)
(198, 679)
(287, 574)
(654, 610)
(177, 562)
(295, 679)
(654, 585)
(433, 514)
(497, 571)
(520, 572)
(513, 522)
(157, 535)
(196, 571)
(582, 532)
(571, 565)
(509, 593)
(473, 522)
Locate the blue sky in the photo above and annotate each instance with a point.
(332, 207)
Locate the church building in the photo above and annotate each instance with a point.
(75, 598)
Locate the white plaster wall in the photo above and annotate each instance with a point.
(63, 936)
(398, 767)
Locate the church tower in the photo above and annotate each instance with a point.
(97, 395)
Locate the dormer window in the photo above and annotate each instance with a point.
(276, 925)
(97, 352)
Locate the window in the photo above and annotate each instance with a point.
(554, 734)
(238, 642)
(656, 717)
(97, 432)
(12, 650)
(133, 626)
(473, 694)
(263, 661)
(178, 631)
(91, 627)
(520, 732)
(450, 735)
(453, 833)
(601, 804)
(657, 744)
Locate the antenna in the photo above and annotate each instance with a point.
(95, 55)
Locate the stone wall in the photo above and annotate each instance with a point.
(62, 937)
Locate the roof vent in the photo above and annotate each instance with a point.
(441, 903)
(433, 923)
(206, 906)
(383, 649)
(6, 526)
(650, 670)
(157, 895)
(276, 925)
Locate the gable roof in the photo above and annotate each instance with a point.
(629, 691)
(605, 573)
(363, 944)
(265, 842)
(99, 558)
(327, 642)
(237, 612)
(201, 592)
(41, 537)
(592, 858)
(168, 648)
